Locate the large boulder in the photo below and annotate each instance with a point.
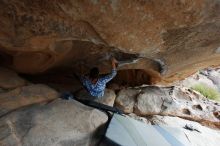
(126, 99)
(9, 79)
(38, 36)
(107, 99)
(173, 101)
(150, 101)
(60, 123)
(26, 95)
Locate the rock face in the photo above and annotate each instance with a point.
(203, 137)
(159, 37)
(28, 118)
(9, 79)
(126, 100)
(24, 96)
(107, 99)
(154, 42)
(150, 101)
(58, 123)
(15, 92)
(173, 101)
(30, 114)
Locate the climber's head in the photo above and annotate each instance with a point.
(94, 73)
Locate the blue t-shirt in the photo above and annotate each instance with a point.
(97, 90)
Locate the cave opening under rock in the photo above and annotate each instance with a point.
(58, 66)
(66, 80)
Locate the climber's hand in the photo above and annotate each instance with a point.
(114, 62)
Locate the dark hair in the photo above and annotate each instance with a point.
(94, 73)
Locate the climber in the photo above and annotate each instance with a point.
(94, 84)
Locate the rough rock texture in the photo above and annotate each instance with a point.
(205, 137)
(9, 79)
(173, 101)
(150, 101)
(39, 35)
(61, 123)
(108, 98)
(26, 95)
(126, 99)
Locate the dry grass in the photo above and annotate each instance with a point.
(208, 92)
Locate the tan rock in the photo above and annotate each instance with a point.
(108, 98)
(173, 101)
(150, 101)
(24, 96)
(9, 79)
(126, 99)
(174, 38)
(62, 122)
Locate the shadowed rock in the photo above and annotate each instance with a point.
(10, 80)
(38, 36)
(61, 122)
(26, 95)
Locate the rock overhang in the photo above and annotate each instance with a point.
(165, 40)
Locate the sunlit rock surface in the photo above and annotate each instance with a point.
(200, 136)
(172, 101)
(126, 99)
(171, 38)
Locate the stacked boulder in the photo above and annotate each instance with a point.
(31, 114)
(169, 101)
